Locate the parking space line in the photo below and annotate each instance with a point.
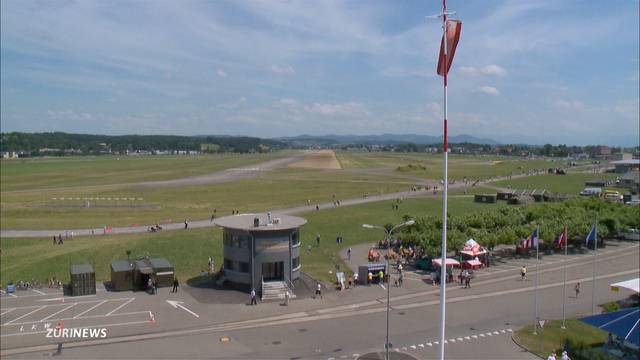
(25, 315)
(4, 292)
(80, 318)
(91, 308)
(8, 311)
(58, 312)
(38, 291)
(61, 304)
(120, 307)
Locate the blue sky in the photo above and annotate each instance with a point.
(534, 71)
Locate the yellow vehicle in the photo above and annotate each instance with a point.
(612, 195)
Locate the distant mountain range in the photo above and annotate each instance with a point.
(386, 139)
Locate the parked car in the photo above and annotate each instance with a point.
(632, 234)
(634, 202)
(591, 191)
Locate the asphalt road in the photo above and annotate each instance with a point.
(342, 325)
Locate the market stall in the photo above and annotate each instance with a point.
(472, 264)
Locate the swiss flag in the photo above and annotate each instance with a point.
(453, 36)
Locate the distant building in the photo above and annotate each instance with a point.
(631, 180)
(624, 166)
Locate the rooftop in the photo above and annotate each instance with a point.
(81, 269)
(246, 222)
(627, 162)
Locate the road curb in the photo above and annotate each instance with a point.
(523, 347)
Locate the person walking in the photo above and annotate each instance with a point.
(286, 298)
(318, 290)
(552, 357)
(565, 356)
(318, 240)
(209, 265)
(467, 281)
(175, 285)
(155, 286)
(186, 224)
(523, 273)
(577, 289)
(349, 254)
(381, 276)
(400, 279)
(369, 278)
(253, 297)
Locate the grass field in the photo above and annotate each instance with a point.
(571, 183)
(41, 173)
(472, 167)
(188, 250)
(281, 188)
(551, 338)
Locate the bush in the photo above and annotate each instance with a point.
(611, 307)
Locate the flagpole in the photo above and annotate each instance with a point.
(443, 274)
(535, 298)
(595, 254)
(564, 278)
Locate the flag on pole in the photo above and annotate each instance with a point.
(562, 239)
(453, 36)
(532, 240)
(593, 234)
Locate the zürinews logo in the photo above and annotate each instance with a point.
(81, 333)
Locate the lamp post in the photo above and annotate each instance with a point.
(367, 226)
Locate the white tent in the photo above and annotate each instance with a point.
(633, 285)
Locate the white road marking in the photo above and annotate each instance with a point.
(429, 344)
(91, 308)
(474, 336)
(62, 298)
(81, 318)
(4, 292)
(489, 334)
(421, 345)
(509, 330)
(496, 333)
(6, 312)
(481, 335)
(459, 339)
(503, 331)
(178, 304)
(436, 342)
(58, 312)
(355, 355)
(382, 286)
(452, 340)
(25, 315)
(413, 347)
(120, 307)
(468, 338)
(38, 291)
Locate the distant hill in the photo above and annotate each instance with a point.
(386, 139)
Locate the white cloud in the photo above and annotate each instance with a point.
(630, 109)
(288, 102)
(489, 70)
(283, 69)
(489, 90)
(221, 73)
(570, 104)
(349, 108)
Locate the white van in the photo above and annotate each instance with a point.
(591, 191)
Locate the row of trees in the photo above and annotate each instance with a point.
(95, 144)
(508, 225)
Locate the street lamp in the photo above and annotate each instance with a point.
(367, 226)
